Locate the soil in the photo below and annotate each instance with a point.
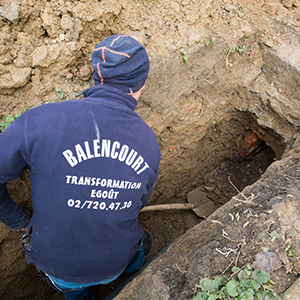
(244, 226)
(227, 121)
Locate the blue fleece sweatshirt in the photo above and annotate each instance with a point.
(93, 164)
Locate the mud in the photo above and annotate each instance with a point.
(241, 81)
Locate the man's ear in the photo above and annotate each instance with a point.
(137, 94)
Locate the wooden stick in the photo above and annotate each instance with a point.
(168, 207)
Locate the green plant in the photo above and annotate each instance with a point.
(8, 120)
(232, 49)
(59, 93)
(243, 284)
(210, 42)
(287, 249)
(239, 49)
(184, 55)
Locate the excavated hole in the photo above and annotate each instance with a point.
(232, 155)
(237, 149)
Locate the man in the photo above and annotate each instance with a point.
(93, 164)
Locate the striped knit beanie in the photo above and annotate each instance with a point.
(122, 62)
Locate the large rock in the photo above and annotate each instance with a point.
(71, 27)
(44, 56)
(89, 13)
(10, 10)
(13, 78)
(51, 21)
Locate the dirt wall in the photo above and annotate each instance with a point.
(211, 62)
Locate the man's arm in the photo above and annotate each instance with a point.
(147, 195)
(11, 214)
(12, 165)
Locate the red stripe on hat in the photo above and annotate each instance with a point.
(112, 43)
(103, 57)
(120, 53)
(112, 51)
(99, 73)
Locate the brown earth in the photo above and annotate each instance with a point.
(241, 79)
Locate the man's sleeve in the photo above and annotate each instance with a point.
(147, 195)
(11, 214)
(12, 164)
(150, 188)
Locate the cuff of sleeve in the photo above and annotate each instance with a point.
(19, 223)
(14, 217)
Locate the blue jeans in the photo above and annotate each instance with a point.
(73, 291)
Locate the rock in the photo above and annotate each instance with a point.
(247, 29)
(23, 60)
(271, 8)
(267, 261)
(288, 3)
(89, 13)
(39, 57)
(233, 22)
(23, 39)
(230, 8)
(85, 73)
(289, 53)
(67, 23)
(10, 10)
(72, 28)
(283, 256)
(51, 22)
(5, 58)
(47, 16)
(5, 34)
(12, 78)
(44, 56)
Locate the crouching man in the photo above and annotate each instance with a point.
(93, 164)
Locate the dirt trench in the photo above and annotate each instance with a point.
(222, 97)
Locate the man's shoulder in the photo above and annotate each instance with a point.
(52, 106)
